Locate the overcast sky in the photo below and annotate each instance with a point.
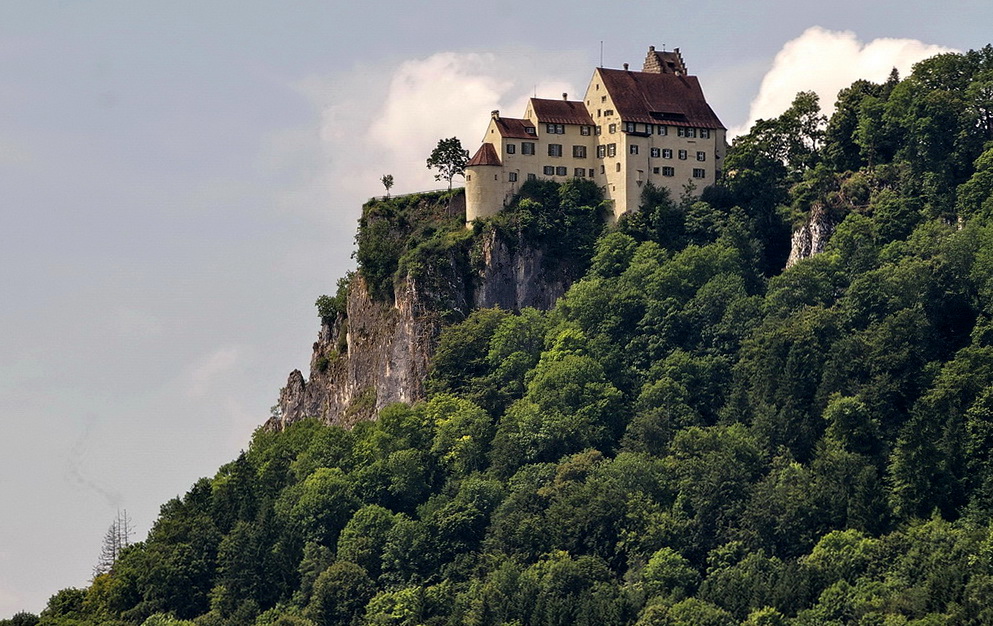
(180, 180)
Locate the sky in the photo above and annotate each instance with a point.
(180, 181)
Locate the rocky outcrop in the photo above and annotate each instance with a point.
(812, 237)
(379, 352)
(513, 277)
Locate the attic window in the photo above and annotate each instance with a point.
(529, 130)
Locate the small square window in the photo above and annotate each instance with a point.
(512, 177)
(580, 172)
(704, 133)
(655, 170)
(666, 153)
(701, 156)
(529, 130)
(656, 153)
(662, 129)
(591, 172)
(682, 155)
(629, 127)
(585, 130)
(511, 148)
(549, 170)
(633, 148)
(560, 170)
(579, 152)
(532, 177)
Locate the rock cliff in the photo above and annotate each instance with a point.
(378, 351)
(812, 237)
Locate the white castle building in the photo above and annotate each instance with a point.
(630, 128)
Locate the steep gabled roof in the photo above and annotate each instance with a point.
(561, 111)
(513, 128)
(486, 155)
(659, 98)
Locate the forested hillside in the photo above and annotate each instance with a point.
(691, 436)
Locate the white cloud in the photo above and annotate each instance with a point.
(379, 120)
(827, 61)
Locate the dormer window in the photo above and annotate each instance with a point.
(529, 130)
(555, 129)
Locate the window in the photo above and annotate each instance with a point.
(608, 112)
(555, 129)
(601, 151)
(512, 177)
(701, 156)
(532, 177)
(527, 147)
(682, 155)
(704, 133)
(611, 149)
(602, 169)
(656, 153)
(655, 170)
(554, 149)
(687, 132)
(549, 170)
(511, 148)
(666, 153)
(591, 172)
(668, 171)
(560, 171)
(602, 98)
(699, 172)
(580, 172)
(618, 166)
(529, 130)
(661, 129)
(585, 130)
(598, 129)
(612, 128)
(633, 148)
(629, 127)
(579, 152)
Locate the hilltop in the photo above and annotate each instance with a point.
(693, 433)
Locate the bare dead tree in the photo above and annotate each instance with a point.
(117, 537)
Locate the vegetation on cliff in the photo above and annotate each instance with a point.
(688, 437)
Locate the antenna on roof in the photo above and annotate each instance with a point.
(601, 53)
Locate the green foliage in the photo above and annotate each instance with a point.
(448, 157)
(692, 435)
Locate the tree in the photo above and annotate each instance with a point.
(117, 538)
(449, 159)
(387, 181)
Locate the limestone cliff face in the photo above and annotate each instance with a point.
(513, 278)
(379, 352)
(812, 237)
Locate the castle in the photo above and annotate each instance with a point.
(630, 128)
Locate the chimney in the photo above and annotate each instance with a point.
(495, 114)
(625, 67)
(565, 96)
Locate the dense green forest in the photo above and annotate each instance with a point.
(692, 436)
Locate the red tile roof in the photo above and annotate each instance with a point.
(486, 155)
(659, 98)
(514, 129)
(561, 111)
